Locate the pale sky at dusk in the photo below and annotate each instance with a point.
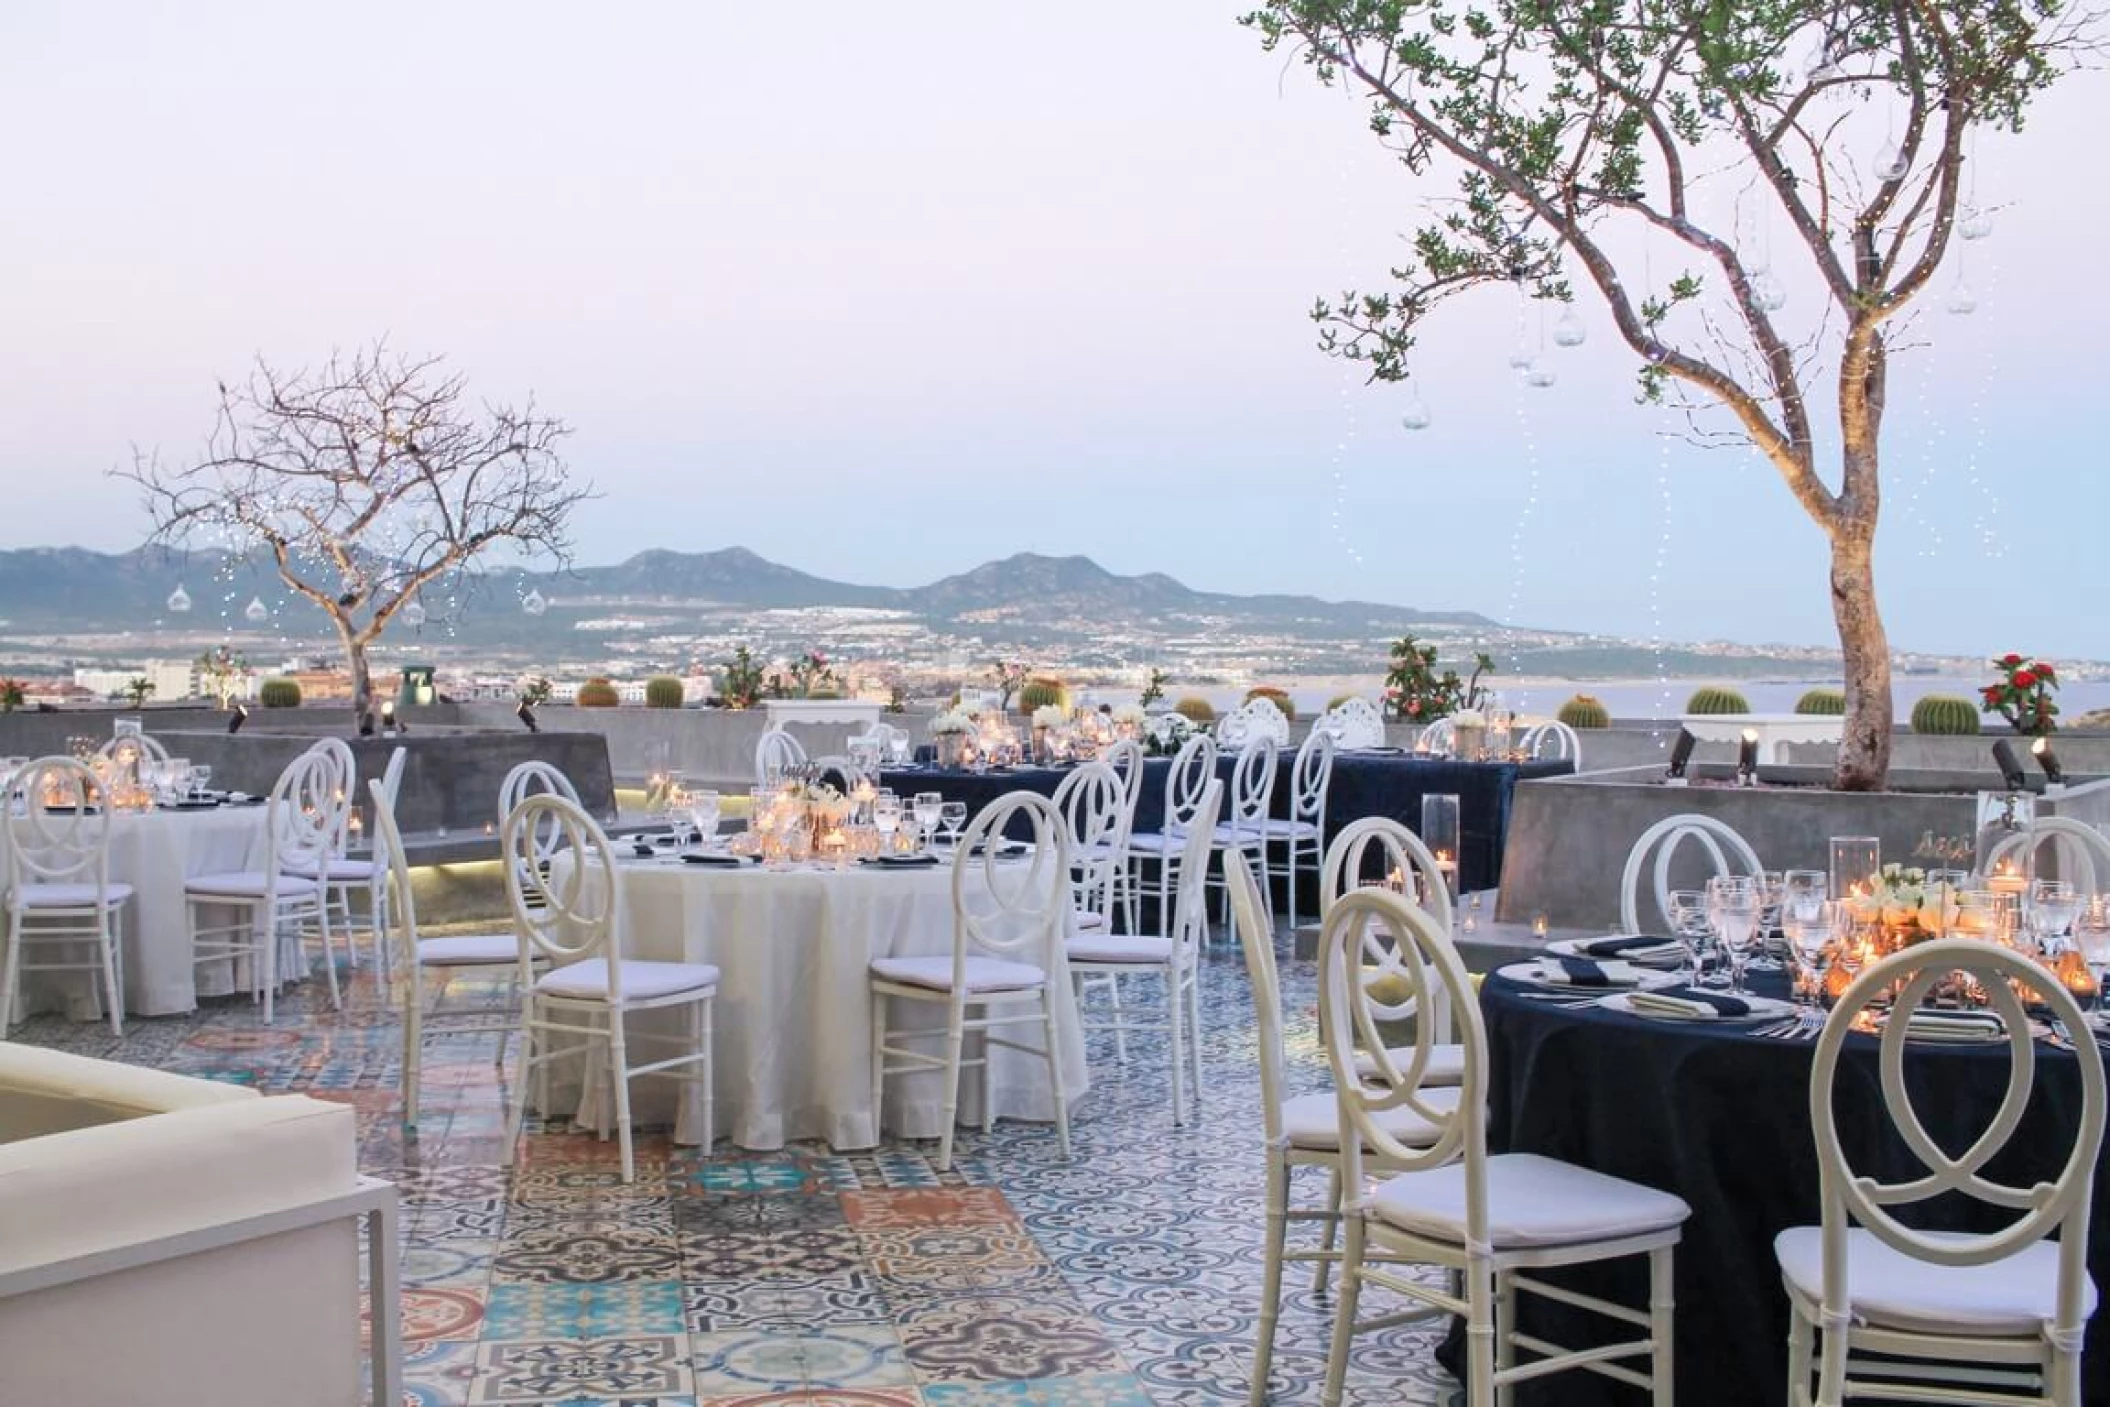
(884, 292)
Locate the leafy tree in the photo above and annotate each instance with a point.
(1573, 131)
(366, 481)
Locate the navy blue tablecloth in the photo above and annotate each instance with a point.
(1721, 1118)
(1364, 784)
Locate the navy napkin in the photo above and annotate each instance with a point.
(726, 861)
(900, 862)
(1582, 972)
(1722, 1002)
(1619, 947)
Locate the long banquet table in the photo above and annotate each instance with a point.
(792, 1049)
(1364, 784)
(1721, 1118)
(155, 852)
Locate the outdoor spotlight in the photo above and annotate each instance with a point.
(2054, 774)
(527, 715)
(1747, 759)
(366, 723)
(2011, 774)
(241, 716)
(388, 715)
(1680, 754)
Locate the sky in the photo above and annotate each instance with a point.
(894, 290)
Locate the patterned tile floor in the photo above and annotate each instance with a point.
(1127, 1276)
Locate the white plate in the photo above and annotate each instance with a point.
(1617, 974)
(1674, 956)
(1762, 1009)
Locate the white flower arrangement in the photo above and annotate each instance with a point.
(951, 723)
(1130, 714)
(1468, 718)
(1050, 716)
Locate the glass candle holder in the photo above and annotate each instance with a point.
(2002, 851)
(1440, 833)
(1856, 861)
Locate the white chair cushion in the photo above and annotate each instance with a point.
(2012, 1298)
(1531, 1201)
(1158, 842)
(1119, 947)
(642, 981)
(1446, 1063)
(469, 949)
(983, 974)
(246, 884)
(1085, 918)
(1313, 1121)
(1288, 830)
(339, 869)
(1247, 832)
(70, 896)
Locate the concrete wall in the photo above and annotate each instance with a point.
(1569, 836)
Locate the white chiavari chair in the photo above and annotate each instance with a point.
(64, 913)
(1303, 835)
(1153, 856)
(776, 752)
(1723, 852)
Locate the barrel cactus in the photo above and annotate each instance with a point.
(663, 691)
(1822, 702)
(1585, 711)
(1196, 710)
(279, 693)
(1338, 699)
(1278, 697)
(1040, 692)
(1946, 714)
(597, 692)
(1710, 698)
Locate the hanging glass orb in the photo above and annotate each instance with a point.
(1415, 414)
(1890, 163)
(1519, 357)
(1962, 301)
(1767, 293)
(1977, 224)
(534, 603)
(1569, 331)
(414, 614)
(1539, 375)
(256, 610)
(178, 601)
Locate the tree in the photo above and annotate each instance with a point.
(1577, 130)
(366, 481)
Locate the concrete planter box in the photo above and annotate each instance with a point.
(1773, 730)
(1569, 836)
(821, 712)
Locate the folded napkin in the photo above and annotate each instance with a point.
(1687, 1003)
(1009, 847)
(900, 862)
(1964, 1026)
(1578, 972)
(1634, 947)
(726, 861)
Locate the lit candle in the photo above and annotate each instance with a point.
(2006, 879)
(1539, 926)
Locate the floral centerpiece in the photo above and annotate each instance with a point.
(2022, 694)
(1902, 907)
(947, 729)
(1129, 720)
(1166, 733)
(1046, 719)
(1416, 693)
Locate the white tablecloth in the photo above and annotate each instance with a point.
(155, 852)
(793, 1041)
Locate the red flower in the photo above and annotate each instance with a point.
(2044, 671)
(2024, 679)
(1992, 693)
(2010, 661)
(1414, 706)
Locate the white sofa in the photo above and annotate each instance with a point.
(169, 1241)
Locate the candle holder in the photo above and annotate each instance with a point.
(1857, 860)
(1440, 833)
(2004, 817)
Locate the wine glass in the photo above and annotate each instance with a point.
(927, 806)
(200, 778)
(1811, 930)
(703, 814)
(953, 816)
(886, 819)
(1772, 888)
(2091, 932)
(1732, 907)
(1689, 925)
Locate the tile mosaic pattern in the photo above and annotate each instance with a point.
(1127, 1276)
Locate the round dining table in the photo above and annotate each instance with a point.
(792, 1047)
(155, 852)
(1719, 1114)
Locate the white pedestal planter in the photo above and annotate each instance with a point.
(842, 712)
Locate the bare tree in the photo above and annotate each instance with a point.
(366, 481)
(1576, 130)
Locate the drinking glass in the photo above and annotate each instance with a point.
(1771, 885)
(928, 804)
(886, 819)
(1689, 925)
(2091, 932)
(1732, 907)
(953, 816)
(2053, 906)
(200, 777)
(704, 807)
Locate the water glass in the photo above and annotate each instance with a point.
(704, 807)
(886, 819)
(2091, 933)
(1811, 931)
(928, 805)
(953, 816)
(2054, 904)
(1689, 925)
(1732, 909)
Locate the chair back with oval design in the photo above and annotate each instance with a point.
(1375, 938)
(1192, 770)
(1257, 940)
(1311, 777)
(1552, 740)
(1252, 787)
(1724, 853)
(568, 910)
(343, 785)
(1190, 908)
(1347, 866)
(1093, 803)
(1003, 902)
(2056, 1206)
(1436, 737)
(63, 833)
(305, 815)
(776, 752)
(1353, 724)
(2079, 853)
(1255, 718)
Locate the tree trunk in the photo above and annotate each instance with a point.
(362, 675)
(1864, 747)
